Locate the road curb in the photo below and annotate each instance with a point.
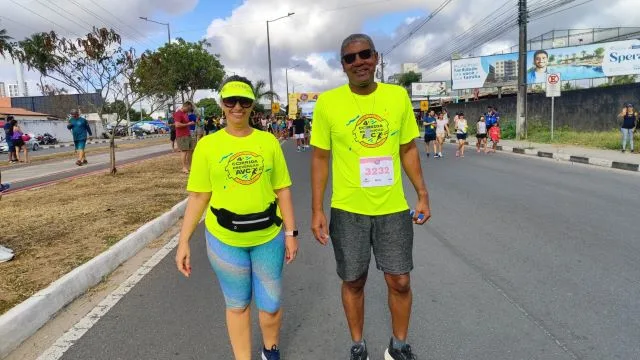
(104, 141)
(23, 320)
(569, 158)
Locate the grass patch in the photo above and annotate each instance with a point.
(541, 133)
(57, 228)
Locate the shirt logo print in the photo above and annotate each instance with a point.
(245, 167)
(371, 131)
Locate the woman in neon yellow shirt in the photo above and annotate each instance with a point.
(239, 175)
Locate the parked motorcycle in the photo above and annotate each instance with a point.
(47, 139)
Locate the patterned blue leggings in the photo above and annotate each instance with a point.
(243, 271)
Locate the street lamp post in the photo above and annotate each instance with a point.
(286, 75)
(173, 98)
(269, 54)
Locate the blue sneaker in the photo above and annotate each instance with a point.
(4, 187)
(273, 354)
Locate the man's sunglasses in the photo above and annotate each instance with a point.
(364, 55)
(230, 102)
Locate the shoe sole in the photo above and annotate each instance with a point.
(387, 356)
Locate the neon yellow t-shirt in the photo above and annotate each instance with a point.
(241, 173)
(358, 129)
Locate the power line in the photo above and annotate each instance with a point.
(62, 15)
(561, 10)
(321, 11)
(418, 27)
(143, 36)
(42, 17)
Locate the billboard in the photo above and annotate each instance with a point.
(572, 63)
(430, 89)
(305, 101)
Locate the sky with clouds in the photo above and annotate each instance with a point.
(310, 39)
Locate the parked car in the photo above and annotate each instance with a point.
(32, 144)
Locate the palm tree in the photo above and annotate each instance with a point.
(260, 90)
(5, 45)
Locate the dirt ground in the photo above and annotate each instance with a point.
(57, 228)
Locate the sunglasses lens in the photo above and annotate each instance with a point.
(245, 103)
(365, 54)
(229, 102)
(349, 58)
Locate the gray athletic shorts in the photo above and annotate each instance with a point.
(353, 236)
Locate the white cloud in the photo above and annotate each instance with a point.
(241, 37)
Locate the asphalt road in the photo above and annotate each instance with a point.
(523, 259)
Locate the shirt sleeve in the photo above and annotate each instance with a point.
(199, 177)
(321, 126)
(408, 129)
(280, 173)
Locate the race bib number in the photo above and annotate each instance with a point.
(376, 171)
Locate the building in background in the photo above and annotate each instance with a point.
(3, 92)
(13, 89)
(408, 67)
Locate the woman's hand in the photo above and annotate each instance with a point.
(183, 259)
(291, 248)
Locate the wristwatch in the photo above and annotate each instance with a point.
(293, 233)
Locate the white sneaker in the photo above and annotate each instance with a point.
(6, 249)
(5, 256)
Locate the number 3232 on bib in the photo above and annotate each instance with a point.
(376, 171)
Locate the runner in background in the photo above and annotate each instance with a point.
(461, 133)
(442, 132)
(481, 135)
(298, 127)
(172, 133)
(628, 127)
(494, 135)
(430, 122)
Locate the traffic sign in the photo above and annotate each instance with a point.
(554, 85)
(424, 105)
(275, 108)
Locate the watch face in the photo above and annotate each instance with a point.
(295, 232)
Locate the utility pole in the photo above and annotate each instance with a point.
(382, 67)
(521, 119)
(269, 53)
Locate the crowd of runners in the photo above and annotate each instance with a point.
(438, 128)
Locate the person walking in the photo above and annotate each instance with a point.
(172, 133)
(461, 133)
(430, 123)
(481, 135)
(184, 139)
(79, 127)
(628, 127)
(442, 132)
(494, 135)
(19, 139)
(368, 129)
(199, 128)
(491, 117)
(298, 129)
(241, 176)
(11, 149)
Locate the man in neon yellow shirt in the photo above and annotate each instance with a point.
(369, 129)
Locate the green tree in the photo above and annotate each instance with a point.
(211, 107)
(261, 92)
(409, 78)
(599, 52)
(6, 47)
(181, 68)
(624, 79)
(95, 63)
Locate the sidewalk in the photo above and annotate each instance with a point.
(575, 154)
(103, 141)
(44, 170)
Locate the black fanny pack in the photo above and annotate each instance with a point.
(249, 222)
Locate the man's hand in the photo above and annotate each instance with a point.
(291, 249)
(422, 208)
(183, 259)
(319, 227)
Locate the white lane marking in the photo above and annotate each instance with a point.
(74, 334)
